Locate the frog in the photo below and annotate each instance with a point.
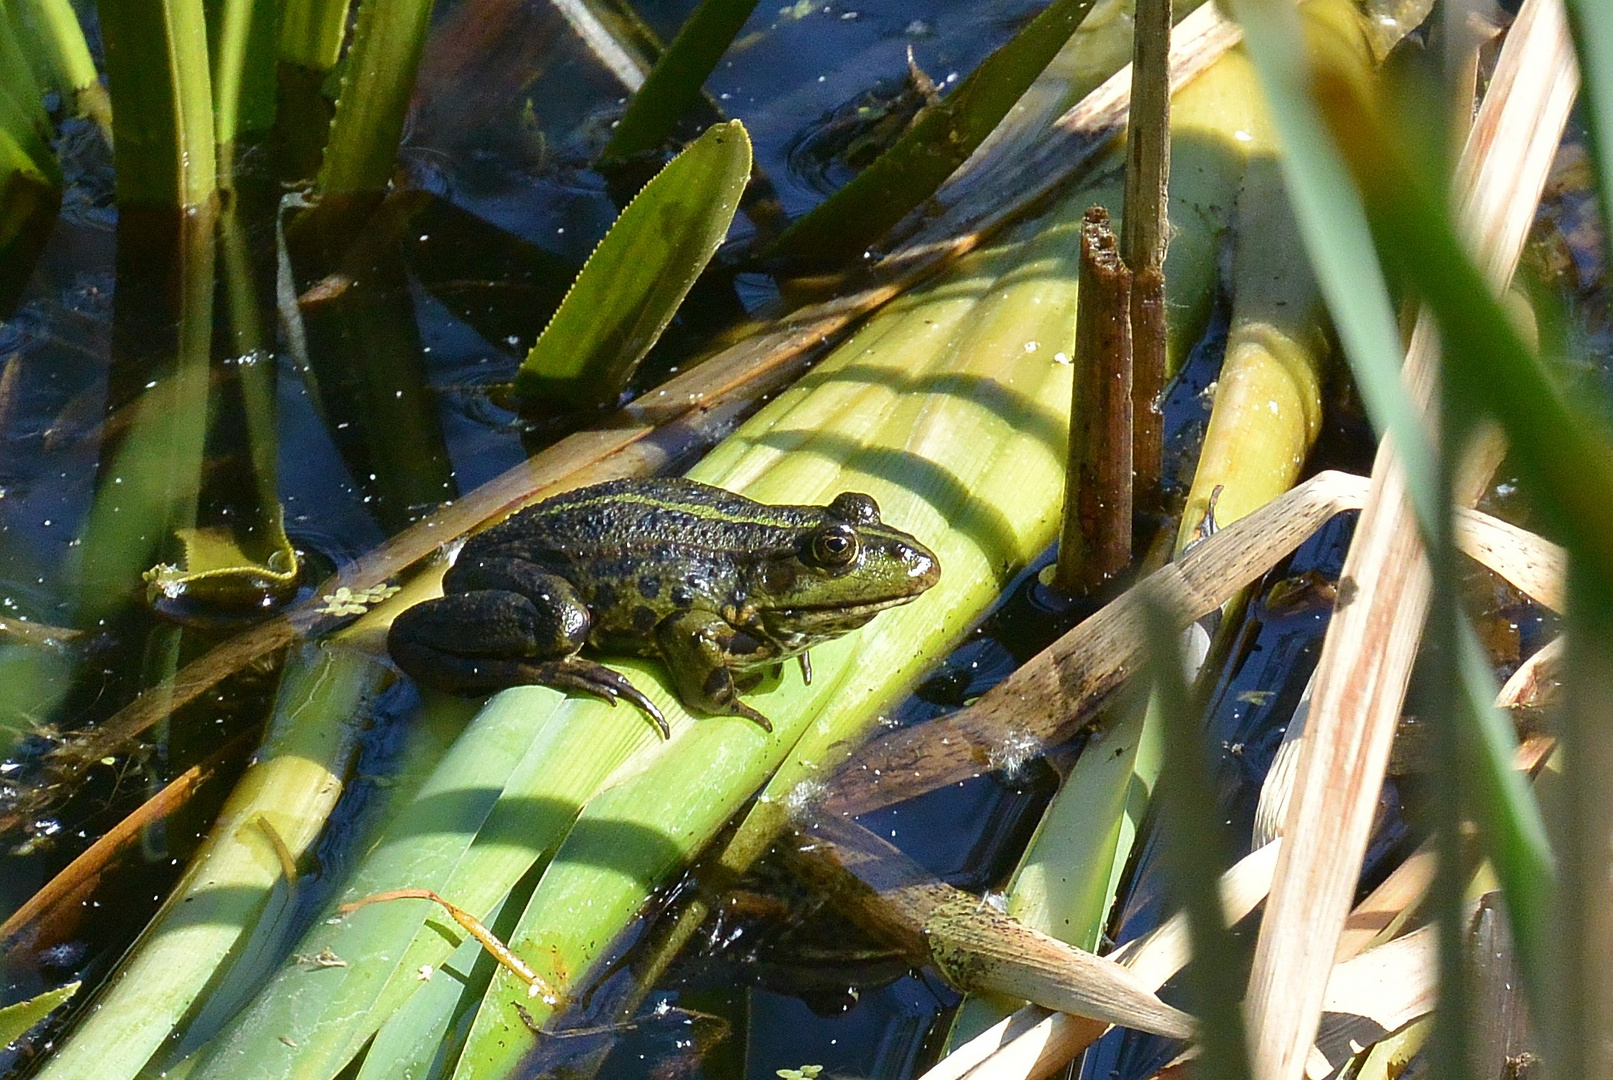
(721, 588)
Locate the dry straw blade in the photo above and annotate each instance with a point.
(1362, 675)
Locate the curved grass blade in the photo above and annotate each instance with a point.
(639, 274)
(673, 85)
(942, 138)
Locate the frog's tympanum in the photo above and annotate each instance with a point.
(718, 586)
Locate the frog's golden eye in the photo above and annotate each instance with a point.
(834, 546)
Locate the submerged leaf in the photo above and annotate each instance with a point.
(223, 566)
(634, 281)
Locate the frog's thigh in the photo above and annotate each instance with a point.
(504, 574)
(698, 647)
(493, 623)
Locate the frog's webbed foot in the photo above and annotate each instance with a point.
(698, 647)
(576, 675)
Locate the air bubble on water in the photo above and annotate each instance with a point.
(803, 797)
(1013, 751)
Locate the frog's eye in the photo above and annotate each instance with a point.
(834, 546)
(855, 507)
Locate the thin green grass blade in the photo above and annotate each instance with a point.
(1562, 457)
(1196, 852)
(1504, 802)
(638, 275)
(1593, 40)
(941, 138)
(673, 85)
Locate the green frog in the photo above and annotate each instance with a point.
(718, 586)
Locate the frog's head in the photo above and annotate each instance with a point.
(840, 573)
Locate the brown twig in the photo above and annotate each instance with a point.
(977, 947)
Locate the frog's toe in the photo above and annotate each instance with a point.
(586, 677)
(739, 708)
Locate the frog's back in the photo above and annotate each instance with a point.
(623, 516)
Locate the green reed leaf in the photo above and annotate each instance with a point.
(639, 274)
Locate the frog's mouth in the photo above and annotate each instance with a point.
(826, 619)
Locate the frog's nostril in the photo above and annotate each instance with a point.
(922, 566)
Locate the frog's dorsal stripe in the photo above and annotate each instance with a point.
(756, 513)
(740, 510)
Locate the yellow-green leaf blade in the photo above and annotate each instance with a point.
(636, 278)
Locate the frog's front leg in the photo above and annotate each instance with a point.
(698, 647)
(489, 638)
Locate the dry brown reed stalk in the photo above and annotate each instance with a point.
(1361, 679)
(1095, 541)
(978, 948)
(1063, 688)
(1144, 232)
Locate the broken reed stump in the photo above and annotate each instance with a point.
(1095, 543)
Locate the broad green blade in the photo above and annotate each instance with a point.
(639, 274)
(237, 888)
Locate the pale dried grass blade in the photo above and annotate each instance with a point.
(1367, 658)
(1380, 991)
(1034, 1043)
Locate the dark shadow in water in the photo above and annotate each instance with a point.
(365, 361)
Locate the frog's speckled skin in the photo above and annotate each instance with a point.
(710, 581)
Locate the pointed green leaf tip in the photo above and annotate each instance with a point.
(639, 274)
(17, 1020)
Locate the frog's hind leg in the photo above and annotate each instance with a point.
(486, 640)
(697, 647)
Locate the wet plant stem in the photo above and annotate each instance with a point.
(977, 947)
(1144, 230)
(1095, 543)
